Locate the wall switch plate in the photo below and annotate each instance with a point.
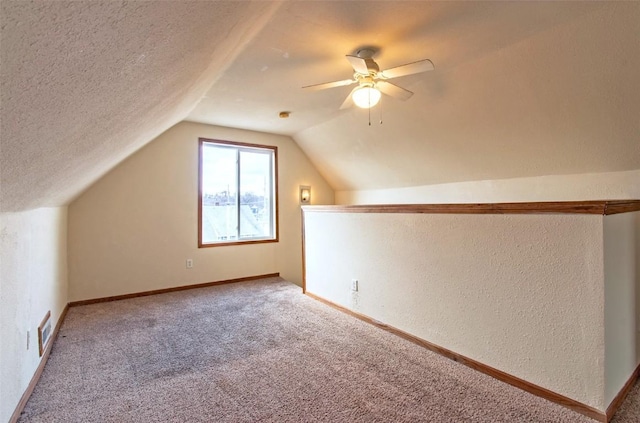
(354, 285)
(189, 263)
(28, 337)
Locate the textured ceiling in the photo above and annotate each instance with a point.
(306, 42)
(519, 89)
(84, 84)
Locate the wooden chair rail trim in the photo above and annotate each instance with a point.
(601, 207)
(539, 391)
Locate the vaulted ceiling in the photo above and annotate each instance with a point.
(519, 88)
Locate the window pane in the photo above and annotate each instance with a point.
(255, 195)
(237, 186)
(219, 194)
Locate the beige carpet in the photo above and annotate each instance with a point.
(261, 351)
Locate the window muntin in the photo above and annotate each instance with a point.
(237, 200)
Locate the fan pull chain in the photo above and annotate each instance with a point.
(369, 108)
(380, 110)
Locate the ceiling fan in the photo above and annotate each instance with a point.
(372, 81)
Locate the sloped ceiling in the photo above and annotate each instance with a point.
(86, 83)
(519, 89)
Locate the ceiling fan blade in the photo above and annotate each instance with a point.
(408, 69)
(348, 102)
(359, 64)
(330, 85)
(393, 90)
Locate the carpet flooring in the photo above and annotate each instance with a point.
(261, 351)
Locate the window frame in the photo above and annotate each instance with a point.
(239, 146)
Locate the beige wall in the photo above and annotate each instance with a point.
(33, 280)
(133, 230)
(622, 258)
(521, 293)
(622, 281)
(581, 187)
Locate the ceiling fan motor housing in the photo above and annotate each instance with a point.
(372, 66)
(365, 80)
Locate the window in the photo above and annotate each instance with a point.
(237, 195)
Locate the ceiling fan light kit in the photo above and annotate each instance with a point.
(372, 82)
(366, 97)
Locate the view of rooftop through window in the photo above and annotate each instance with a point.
(238, 192)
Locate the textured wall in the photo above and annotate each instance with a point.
(33, 280)
(591, 186)
(622, 281)
(134, 228)
(521, 293)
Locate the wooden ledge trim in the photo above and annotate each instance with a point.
(621, 206)
(601, 207)
(172, 289)
(619, 399)
(476, 365)
(36, 376)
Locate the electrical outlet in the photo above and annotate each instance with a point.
(189, 263)
(354, 285)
